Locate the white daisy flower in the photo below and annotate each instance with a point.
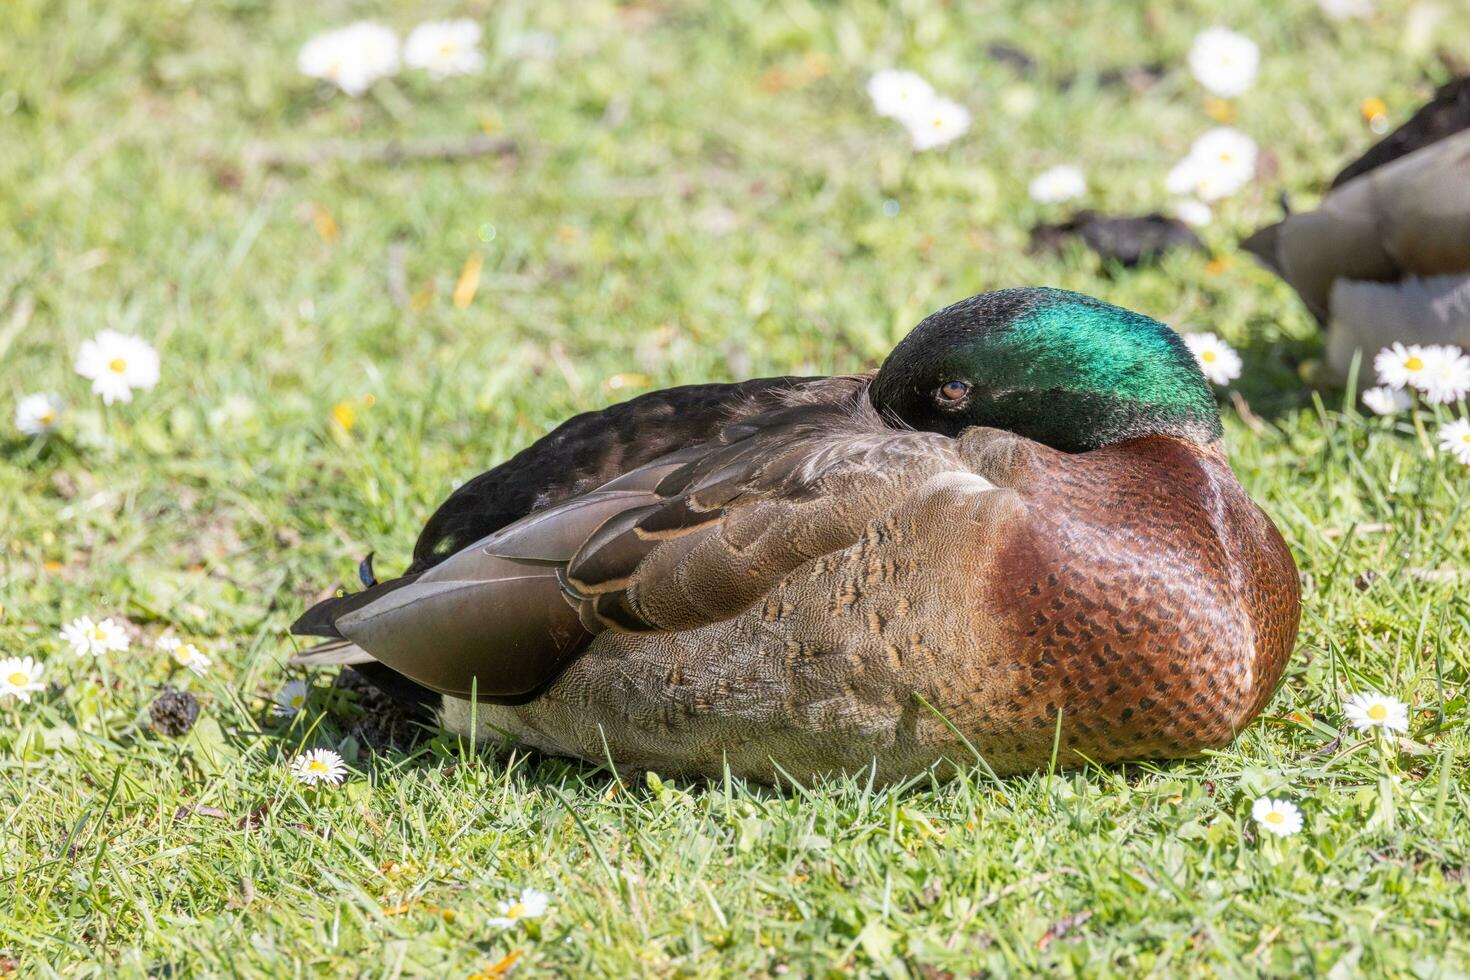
(1346, 9)
(1373, 710)
(290, 699)
(1446, 374)
(1061, 183)
(1183, 177)
(20, 677)
(1279, 817)
(191, 658)
(899, 94)
(94, 639)
(1384, 400)
(444, 48)
(1220, 162)
(1454, 438)
(319, 766)
(1226, 159)
(1223, 61)
(1195, 213)
(940, 122)
(531, 904)
(1217, 359)
(352, 57)
(1398, 365)
(38, 414)
(117, 364)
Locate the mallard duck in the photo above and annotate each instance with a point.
(1020, 534)
(1386, 257)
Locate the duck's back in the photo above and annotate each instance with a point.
(593, 448)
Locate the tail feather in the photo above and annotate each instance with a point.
(321, 619)
(333, 653)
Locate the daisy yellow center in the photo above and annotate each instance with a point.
(47, 416)
(1209, 357)
(99, 634)
(298, 701)
(1413, 364)
(117, 365)
(1378, 712)
(1466, 438)
(516, 911)
(18, 679)
(317, 765)
(447, 48)
(1275, 816)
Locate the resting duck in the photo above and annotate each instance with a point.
(1386, 257)
(1022, 530)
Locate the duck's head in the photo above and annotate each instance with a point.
(1064, 369)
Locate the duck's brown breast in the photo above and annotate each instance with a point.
(1150, 602)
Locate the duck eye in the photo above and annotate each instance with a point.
(953, 391)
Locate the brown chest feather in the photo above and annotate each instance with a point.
(1154, 606)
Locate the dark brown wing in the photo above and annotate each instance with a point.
(590, 449)
(715, 530)
(690, 539)
(1444, 115)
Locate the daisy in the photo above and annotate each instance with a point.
(1373, 710)
(319, 766)
(1279, 817)
(941, 121)
(1220, 162)
(1398, 365)
(94, 639)
(116, 364)
(20, 677)
(1454, 438)
(1217, 359)
(1058, 184)
(1226, 155)
(351, 58)
(1223, 61)
(1384, 400)
(1193, 212)
(290, 699)
(1446, 375)
(531, 904)
(444, 48)
(899, 94)
(188, 656)
(37, 414)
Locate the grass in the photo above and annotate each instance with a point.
(697, 194)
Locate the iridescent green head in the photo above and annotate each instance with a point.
(1064, 369)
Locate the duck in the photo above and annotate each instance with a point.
(1385, 258)
(1018, 542)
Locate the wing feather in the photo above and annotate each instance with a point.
(691, 538)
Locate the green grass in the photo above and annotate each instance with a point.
(697, 194)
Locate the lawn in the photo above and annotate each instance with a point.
(689, 192)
